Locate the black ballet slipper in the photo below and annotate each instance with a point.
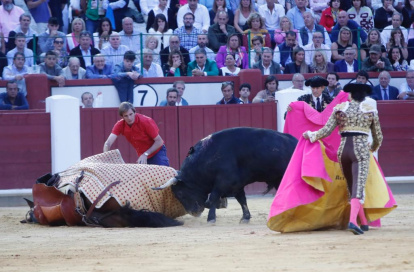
(354, 229)
(365, 227)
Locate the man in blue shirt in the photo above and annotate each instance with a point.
(12, 99)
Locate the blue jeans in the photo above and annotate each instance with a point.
(92, 26)
(160, 158)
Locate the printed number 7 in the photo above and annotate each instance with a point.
(143, 97)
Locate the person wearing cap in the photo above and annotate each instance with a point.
(354, 119)
(375, 62)
(317, 100)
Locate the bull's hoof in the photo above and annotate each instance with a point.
(244, 221)
(212, 221)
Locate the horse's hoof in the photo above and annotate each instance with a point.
(244, 221)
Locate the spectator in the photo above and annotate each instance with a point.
(272, 13)
(3, 61)
(408, 13)
(298, 81)
(334, 87)
(242, 13)
(115, 51)
(202, 66)
(84, 51)
(24, 28)
(407, 88)
(344, 41)
(233, 46)
(52, 70)
(230, 69)
(188, 33)
(40, 12)
(219, 32)
(362, 77)
(383, 15)
(376, 63)
(396, 59)
(12, 99)
(349, 64)
(329, 16)
(295, 14)
(244, 92)
(266, 65)
(318, 99)
(124, 75)
(283, 52)
(317, 6)
(395, 24)
(316, 44)
(9, 17)
(227, 88)
(101, 38)
(73, 70)
(99, 69)
(180, 86)
(361, 14)
(172, 96)
(200, 12)
(170, 22)
(72, 39)
(343, 20)
(298, 65)
(120, 9)
(151, 43)
(374, 37)
(161, 30)
(285, 26)
(307, 31)
(268, 94)
(17, 71)
(176, 66)
(130, 37)
(150, 68)
(256, 27)
(94, 16)
(219, 6)
(61, 53)
(202, 41)
(257, 50)
(290, 4)
(384, 91)
(46, 38)
(20, 41)
(397, 40)
(148, 5)
(174, 45)
(142, 133)
(87, 100)
(320, 63)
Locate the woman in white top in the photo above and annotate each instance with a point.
(230, 69)
(72, 39)
(246, 7)
(161, 31)
(101, 38)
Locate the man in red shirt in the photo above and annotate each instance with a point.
(142, 133)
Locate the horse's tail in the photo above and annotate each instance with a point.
(148, 219)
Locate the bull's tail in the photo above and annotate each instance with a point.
(148, 219)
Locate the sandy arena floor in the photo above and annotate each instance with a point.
(198, 246)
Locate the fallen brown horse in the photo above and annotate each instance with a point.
(85, 194)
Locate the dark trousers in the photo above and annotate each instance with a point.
(160, 158)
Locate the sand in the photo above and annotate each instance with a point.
(199, 246)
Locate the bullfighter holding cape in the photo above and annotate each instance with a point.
(333, 178)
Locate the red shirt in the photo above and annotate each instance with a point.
(140, 135)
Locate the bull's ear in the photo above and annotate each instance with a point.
(191, 151)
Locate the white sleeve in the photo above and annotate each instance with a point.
(118, 4)
(206, 19)
(180, 14)
(327, 38)
(144, 7)
(276, 55)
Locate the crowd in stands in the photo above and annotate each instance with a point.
(204, 38)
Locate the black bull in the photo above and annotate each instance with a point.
(223, 163)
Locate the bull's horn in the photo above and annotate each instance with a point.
(172, 181)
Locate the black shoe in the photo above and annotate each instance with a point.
(365, 227)
(354, 229)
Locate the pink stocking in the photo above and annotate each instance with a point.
(362, 217)
(355, 206)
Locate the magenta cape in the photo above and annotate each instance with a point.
(313, 193)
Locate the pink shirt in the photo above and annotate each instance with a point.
(9, 21)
